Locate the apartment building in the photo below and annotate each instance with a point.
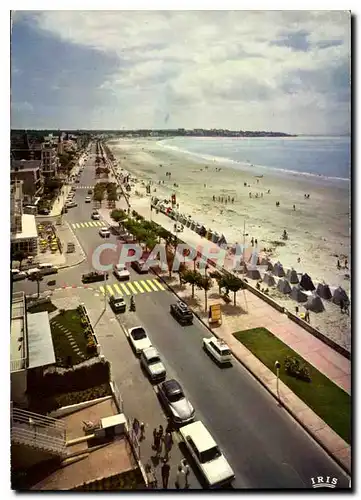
(24, 233)
(49, 159)
(30, 173)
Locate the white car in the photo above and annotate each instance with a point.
(104, 232)
(152, 364)
(121, 272)
(18, 275)
(207, 455)
(95, 216)
(88, 199)
(71, 204)
(139, 339)
(218, 349)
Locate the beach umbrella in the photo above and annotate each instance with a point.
(283, 286)
(292, 276)
(324, 291)
(298, 295)
(278, 270)
(253, 274)
(306, 283)
(338, 295)
(269, 279)
(315, 304)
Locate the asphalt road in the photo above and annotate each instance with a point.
(264, 445)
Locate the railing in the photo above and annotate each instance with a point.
(17, 365)
(36, 430)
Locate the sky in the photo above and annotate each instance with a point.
(286, 71)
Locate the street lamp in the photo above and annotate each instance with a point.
(278, 366)
(105, 290)
(244, 245)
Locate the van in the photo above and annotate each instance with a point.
(207, 455)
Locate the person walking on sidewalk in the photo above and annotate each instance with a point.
(168, 443)
(142, 431)
(187, 471)
(161, 431)
(136, 426)
(157, 442)
(180, 482)
(165, 474)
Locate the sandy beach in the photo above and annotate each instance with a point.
(318, 227)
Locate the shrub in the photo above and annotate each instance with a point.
(293, 367)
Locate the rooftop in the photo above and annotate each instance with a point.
(29, 229)
(41, 348)
(91, 462)
(17, 336)
(25, 164)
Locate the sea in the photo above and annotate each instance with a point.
(325, 157)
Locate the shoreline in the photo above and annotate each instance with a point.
(316, 240)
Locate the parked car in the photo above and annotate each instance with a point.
(139, 339)
(90, 191)
(18, 275)
(104, 232)
(43, 211)
(93, 276)
(117, 303)
(152, 364)
(218, 349)
(33, 273)
(95, 215)
(121, 272)
(207, 455)
(181, 312)
(46, 269)
(137, 265)
(88, 199)
(71, 204)
(175, 402)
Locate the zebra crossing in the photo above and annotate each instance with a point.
(93, 223)
(84, 187)
(132, 287)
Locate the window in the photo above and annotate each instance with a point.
(138, 334)
(175, 397)
(226, 352)
(209, 455)
(215, 347)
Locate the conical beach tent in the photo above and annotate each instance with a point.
(266, 262)
(338, 295)
(283, 286)
(298, 295)
(253, 274)
(315, 304)
(292, 276)
(269, 279)
(324, 291)
(278, 270)
(306, 283)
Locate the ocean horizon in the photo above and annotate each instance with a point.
(322, 157)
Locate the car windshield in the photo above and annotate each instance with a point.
(139, 334)
(226, 352)
(209, 455)
(154, 360)
(173, 398)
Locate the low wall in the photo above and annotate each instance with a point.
(91, 328)
(67, 410)
(319, 335)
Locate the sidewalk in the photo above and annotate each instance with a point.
(139, 398)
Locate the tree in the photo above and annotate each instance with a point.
(150, 242)
(181, 270)
(232, 283)
(218, 277)
(38, 277)
(193, 278)
(118, 215)
(19, 255)
(205, 283)
(98, 196)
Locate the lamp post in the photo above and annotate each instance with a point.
(244, 245)
(105, 290)
(277, 366)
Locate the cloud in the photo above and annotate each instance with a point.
(187, 68)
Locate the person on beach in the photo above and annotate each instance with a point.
(294, 207)
(252, 241)
(255, 242)
(346, 264)
(338, 264)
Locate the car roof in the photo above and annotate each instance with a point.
(172, 387)
(150, 352)
(221, 344)
(117, 297)
(200, 436)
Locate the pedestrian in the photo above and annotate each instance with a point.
(168, 443)
(307, 316)
(169, 425)
(255, 242)
(180, 482)
(338, 264)
(294, 207)
(156, 438)
(151, 478)
(142, 431)
(252, 241)
(346, 264)
(160, 432)
(186, 469)
(136, 426)
(165, 470)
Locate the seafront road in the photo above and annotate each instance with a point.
(264, 445)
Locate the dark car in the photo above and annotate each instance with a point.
(137, 265)
(93, 277)
(181, 312)
(175, 402)
(117, 303)
(43, 211)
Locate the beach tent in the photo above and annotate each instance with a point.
(338, 295)
(315, 304)
(209, 235)
(292, 276)
(283, 286)
(215, 237)
(306, 283)
(324, 291)
(222, 241)
(254, 259)
(253, 274)
(266, 262)
(278, 270)
(269, 279)
(202, 231)
(298, 295)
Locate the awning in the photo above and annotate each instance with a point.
(41, 349)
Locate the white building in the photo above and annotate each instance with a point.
(24, 233)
